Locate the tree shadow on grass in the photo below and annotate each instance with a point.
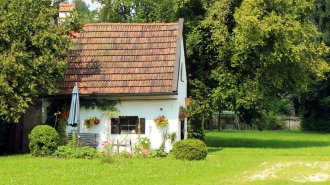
(258, 143)
(214, 149)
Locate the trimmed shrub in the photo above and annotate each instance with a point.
(43, 140)
(190, 149)
(196, 133)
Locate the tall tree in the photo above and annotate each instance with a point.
(315, 103)
(274, 51)
(207, 47)
(32, 53)
(116, 10)
(85, 15)
(151, 10)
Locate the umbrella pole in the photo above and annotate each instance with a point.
(78, 119)
(78, 112)
(78, 128)
(78, 136)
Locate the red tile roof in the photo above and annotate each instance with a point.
(66, 7)
(121, 58)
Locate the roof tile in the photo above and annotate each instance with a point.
(121, 58)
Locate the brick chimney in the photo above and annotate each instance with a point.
(64, 11)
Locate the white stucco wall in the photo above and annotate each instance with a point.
(148, 107)
(135, 106)
(182, 86)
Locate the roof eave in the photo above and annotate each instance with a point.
(177, 57)
(111, 95)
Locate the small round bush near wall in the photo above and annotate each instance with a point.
(43, 140)
(190, 149)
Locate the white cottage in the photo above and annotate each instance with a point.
(142, 66)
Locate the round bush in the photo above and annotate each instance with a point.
(43, 140)
(190, 149)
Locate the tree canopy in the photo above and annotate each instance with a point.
(32, 53)
(273, 50)
(84, 14)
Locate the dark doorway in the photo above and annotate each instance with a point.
(182, 129)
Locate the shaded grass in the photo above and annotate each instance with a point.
(266, 139)
(230, 161)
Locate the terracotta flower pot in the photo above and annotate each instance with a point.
(145, 151)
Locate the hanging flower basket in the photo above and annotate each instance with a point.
(96, 121)
(183, 113)
(91, 121)
(161, 121)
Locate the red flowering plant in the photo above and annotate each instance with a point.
(61, 118)
(183, 113)
(161, 121)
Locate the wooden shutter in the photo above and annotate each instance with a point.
(142, 125)
(115, 126)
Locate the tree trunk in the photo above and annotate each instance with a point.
(219, 121)
(203, 123)
(210, 122)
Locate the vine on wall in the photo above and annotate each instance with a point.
(59, 109)
(57, 105)
(102, 105)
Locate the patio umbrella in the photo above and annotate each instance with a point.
(74, 116)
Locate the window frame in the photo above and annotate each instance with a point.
(117, 127)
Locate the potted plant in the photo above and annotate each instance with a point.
(183, 113)
(145, 145)
(161, 121)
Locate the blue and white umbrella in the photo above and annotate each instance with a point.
(74, 116)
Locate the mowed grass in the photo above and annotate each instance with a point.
(268, 143)
(235, 157)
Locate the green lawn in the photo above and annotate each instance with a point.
(235, 157)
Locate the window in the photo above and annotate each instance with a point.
(127, 124)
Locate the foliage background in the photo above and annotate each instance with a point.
(32, 53)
